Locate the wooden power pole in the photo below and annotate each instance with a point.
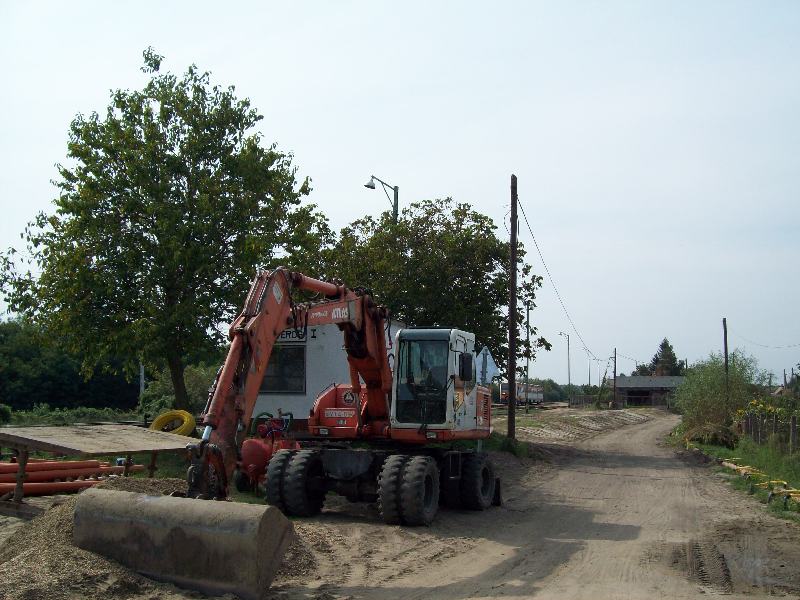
(512, 317)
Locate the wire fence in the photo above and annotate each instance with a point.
(767, 424)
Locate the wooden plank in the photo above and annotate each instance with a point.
(92, 440)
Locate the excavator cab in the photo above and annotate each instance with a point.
(435, 390)
(422, 381)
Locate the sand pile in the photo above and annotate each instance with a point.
(142, 485)
(38, 560)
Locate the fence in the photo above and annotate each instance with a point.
(773, 425)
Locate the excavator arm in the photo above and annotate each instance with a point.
(268, 311)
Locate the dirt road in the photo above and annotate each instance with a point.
(604, 509)
(616, 516)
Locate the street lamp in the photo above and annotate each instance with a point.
(528, 363)
(569, 376)
(395, 204)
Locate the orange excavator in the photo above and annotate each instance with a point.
(405, 419)
(383, 437)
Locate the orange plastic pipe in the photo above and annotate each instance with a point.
(50, 465)
(50, 487)
(68, 473)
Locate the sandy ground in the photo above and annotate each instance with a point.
(619, 515)
(614, 515)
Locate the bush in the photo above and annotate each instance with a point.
(701, 398)
(43, 414)
(5, 414)
(160, 395)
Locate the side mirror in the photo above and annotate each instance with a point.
(465, 367)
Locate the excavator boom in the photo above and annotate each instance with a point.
(268, 311)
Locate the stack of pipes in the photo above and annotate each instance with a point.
(45, 477)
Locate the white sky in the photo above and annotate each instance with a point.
(657, 145)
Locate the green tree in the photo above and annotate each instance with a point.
(166, 206)
(441, 264)
(160, 395)
(664, 362)
(35, 369)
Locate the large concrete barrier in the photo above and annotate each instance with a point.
(214, 547)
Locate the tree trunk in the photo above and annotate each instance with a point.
(178, 384)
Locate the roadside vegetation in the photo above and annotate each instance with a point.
(43, 414)
(741, 418)
(712, 402)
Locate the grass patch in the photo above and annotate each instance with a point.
(767, 459)
(42, 414)
(499, 442)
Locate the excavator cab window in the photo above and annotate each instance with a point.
(422, 381)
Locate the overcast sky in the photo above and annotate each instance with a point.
(657, 145)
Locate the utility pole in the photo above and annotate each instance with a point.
(512, 317)
(725, 345)
(528, 363)
(615, 378)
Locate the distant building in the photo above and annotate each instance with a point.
(646, 390)
(529, 393)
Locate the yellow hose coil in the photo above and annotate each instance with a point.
(167, 422)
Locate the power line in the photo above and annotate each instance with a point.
(741, 337)
(637, 361)
(553, 283)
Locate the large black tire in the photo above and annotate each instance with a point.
(419, 491)
(275, 476)
(302, 497)
(477, 481)
(389, 488)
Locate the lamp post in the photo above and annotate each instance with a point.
(395, 203)
(528, 361)
(569, 376)
(598, 361)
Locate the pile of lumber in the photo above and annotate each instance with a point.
(45, 477)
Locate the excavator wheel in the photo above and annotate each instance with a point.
(419, 491)
(477, 482)
(389, 488)
(276, 473)
(303, 494)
